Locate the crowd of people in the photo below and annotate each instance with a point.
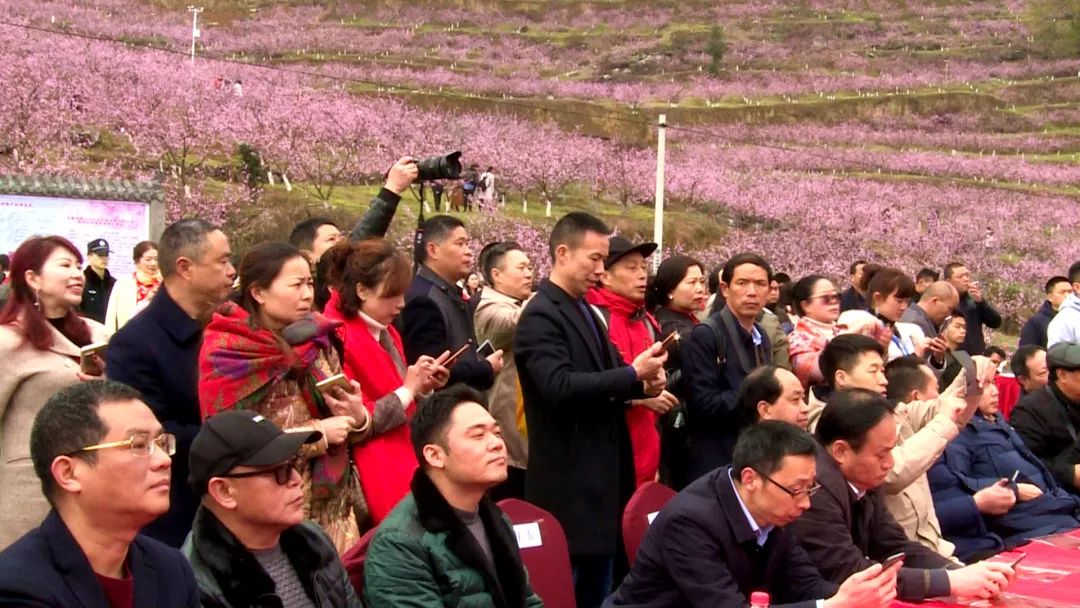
(202, 434)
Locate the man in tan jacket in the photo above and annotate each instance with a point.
(926, 422)
(508, 272)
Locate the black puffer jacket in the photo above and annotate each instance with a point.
(229, 576)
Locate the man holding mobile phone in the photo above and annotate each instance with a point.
(436, 318)
(620, 298)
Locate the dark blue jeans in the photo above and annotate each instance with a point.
(592, 578)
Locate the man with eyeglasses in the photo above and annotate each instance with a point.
(104, 464)
(250, 542)
(725, 536)
(848, 527)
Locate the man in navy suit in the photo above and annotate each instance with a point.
(104, 463)
(724, 536)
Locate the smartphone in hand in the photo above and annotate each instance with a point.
(485, 350)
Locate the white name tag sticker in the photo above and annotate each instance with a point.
(528, 535)
(652, 516)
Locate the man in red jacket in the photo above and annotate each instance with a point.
(620, 297)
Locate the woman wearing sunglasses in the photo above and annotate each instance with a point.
(266, 352)
(817, 303)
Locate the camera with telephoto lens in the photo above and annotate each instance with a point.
(439, 167)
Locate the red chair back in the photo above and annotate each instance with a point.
(354, 559)
(543, 551)
(639, 513)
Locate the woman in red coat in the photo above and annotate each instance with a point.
(369, 280)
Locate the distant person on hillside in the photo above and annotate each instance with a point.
(486, 188)
(1066, 324)
(1034, 331)
(437, 194)
(469, 181)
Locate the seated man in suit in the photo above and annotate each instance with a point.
(250, 541)
(104, 463)
(724, 536)
(847, 526)
(446, 543)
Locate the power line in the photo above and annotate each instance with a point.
(614, 116)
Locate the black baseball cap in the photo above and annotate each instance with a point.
(98, 246)
(619, 247)
(240, 438)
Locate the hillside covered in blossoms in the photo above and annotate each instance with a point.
(814, 132)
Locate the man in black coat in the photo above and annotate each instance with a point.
(436, 317)
(716, 358)
(1047, 419)
(724, 536)
(576, 389)
(976, 310)
(99, 281)
(157, 352)
(848, 526)
(103, 459)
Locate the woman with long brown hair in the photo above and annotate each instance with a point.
(41, 333)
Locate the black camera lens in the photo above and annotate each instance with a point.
(439, 167)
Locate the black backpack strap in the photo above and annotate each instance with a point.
(720, 338)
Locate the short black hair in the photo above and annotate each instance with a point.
(1019, 361)
(855, 266)
(906, 374)
(996, 350)
(571, 229)
(782, 277)
(928, 274)
(759, 385)
(843, 352)
(1053, 282)
(850, 414)
(303, 234)
(744, 258)
(1074, 272)
(492, 255)
(763, 446)
(951, 267)
(68, 422)
(437, 229)
(433, 415)
(5, 262)
(185, 238)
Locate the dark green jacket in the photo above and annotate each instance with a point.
(423, 556)
(229, 576)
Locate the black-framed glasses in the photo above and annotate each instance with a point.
(282, 473)
(141, 444)
(795, 494)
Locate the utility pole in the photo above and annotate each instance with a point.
(658, 218)
(194, 29)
